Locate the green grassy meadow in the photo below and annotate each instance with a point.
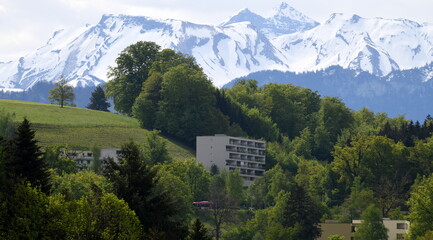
(84, 128)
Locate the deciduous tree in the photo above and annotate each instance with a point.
(63, 94)
(127, 77)
(372, 227)
(421, 208)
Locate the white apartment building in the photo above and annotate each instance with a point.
(232, 153)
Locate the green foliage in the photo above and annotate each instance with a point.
(56, 159)
(291, 107)
(196, 177)
(294, 216)
(422, 154)
(296, 210)
(186, 109)
(25, 216)
(234, 186)
(246, 92)
(63, 94)
(335, 116)
(178, 195)
(146, 105)
(96, 165)
(136, 183)
(74, 186)
(24, 159)
(98, 101)
(155, 149)
(99, 216)
(259, 125)
(7, 124)
(303, 145)
(370, 158)
(372, 227)
(127, 77)
(358, 201)
(198, 231)
(264, 191)
(336, 237)
(421, 208)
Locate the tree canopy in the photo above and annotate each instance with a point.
(129, 74)
(63, 94)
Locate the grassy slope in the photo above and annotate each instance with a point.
(85, 128)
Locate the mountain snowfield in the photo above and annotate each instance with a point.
(246, 43)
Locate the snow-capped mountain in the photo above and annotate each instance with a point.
(246, 43)
(375, 45)
(286, 20)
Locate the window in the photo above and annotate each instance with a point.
(400, 236)
(401, 226)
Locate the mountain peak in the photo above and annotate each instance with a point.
(245, 15)
(285, 11)
(285, 20)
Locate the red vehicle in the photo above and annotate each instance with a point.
(203, 205)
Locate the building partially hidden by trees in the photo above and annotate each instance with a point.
(230, 153)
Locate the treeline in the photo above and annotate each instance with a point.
(344, 160)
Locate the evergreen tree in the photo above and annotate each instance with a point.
(135, 182)
(63, 93)
(98, 101)
(25, 158)
(198, 231)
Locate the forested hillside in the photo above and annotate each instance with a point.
(323, 160)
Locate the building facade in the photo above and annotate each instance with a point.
(230, 153)
(84, 158)
(397, 229)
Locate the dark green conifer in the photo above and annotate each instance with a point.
(198, 231)
(25, 158)
(98, 101)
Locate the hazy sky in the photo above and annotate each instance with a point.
(26, 25)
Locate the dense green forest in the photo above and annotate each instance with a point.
(324, 161)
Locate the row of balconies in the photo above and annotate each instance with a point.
(245, 164)
(248, 173)
(247, 143)
(245, 150)
(246, 157)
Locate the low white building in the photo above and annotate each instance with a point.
(397, 229)
(84, 158)
(230, 153)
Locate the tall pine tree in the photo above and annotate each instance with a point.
(24, 158)
(98, 101)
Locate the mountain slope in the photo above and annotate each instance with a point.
(246, 43)
(375, 45)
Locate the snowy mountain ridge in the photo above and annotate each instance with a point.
(246, 43)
